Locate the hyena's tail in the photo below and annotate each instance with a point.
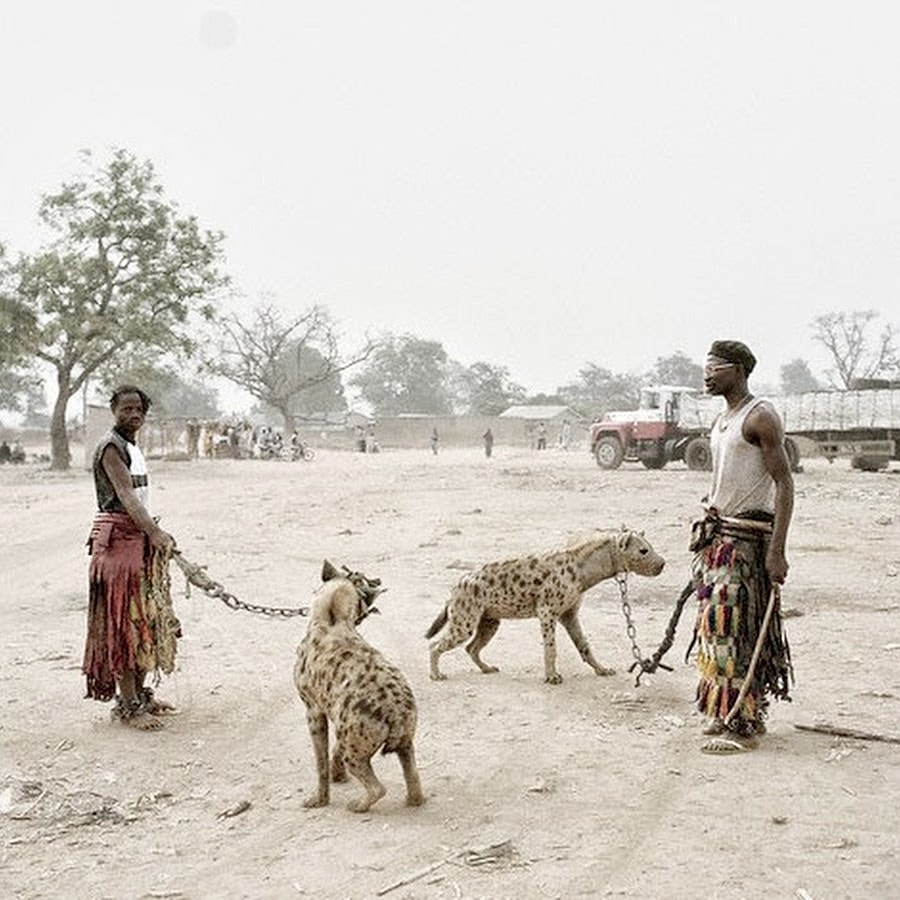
(437, 624)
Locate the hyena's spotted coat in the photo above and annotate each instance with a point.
(548, 586)
(342, 678)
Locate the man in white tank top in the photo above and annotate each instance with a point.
(740, 556)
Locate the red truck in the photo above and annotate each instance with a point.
(672, 423)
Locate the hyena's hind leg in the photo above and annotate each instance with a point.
(487, 628)
(461, 623)
(361, 768)
(338, 769)
(318, 731)
(407, 756)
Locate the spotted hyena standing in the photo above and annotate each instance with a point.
(548, 586)
(343, 679)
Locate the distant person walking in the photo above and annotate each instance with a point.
(565, 435)
(488, 438)
(131, 629)
(542, 436)
(193, 438)
(434, 441)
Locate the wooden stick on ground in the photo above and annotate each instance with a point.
(849, 733)
(409, 879)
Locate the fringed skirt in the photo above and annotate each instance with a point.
(733, 593)
(131, 623)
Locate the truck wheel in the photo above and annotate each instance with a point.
(698, 455)
(793, 454)
(609, 453)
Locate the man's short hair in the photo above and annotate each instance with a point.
(122, 389)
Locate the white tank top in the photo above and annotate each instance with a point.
(740, 480)
(139, 478)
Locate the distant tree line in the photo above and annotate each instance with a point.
(128, 288)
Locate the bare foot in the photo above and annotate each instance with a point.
(143, 721)
(160, 708)
(716, 727)
(155, 706)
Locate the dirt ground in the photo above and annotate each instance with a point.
(592, 788)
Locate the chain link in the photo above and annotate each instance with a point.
(198, 576)
(650, 664)
(622, 579)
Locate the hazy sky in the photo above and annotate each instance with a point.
(534, 184)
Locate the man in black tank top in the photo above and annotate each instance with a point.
(132, 629)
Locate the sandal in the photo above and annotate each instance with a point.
(722, 746)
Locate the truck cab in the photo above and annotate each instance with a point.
(670, 421)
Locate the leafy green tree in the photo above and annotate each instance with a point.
(20, 384)
(796, 377)
(124, 272)
(487, 390)
(855, 352)
(597, 391)
(173, 395)
(290, 364)
(20, 389)
(406, 374)
(677, 369)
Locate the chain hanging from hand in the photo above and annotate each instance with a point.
(650, 664)
(198, 576)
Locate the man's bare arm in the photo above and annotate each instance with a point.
(121, 480)
(763, 428)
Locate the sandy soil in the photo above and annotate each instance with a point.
(593, 788)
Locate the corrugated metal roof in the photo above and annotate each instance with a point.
(537, 412)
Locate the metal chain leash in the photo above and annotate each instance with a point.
(622, 580)
(198, 576)
(650, 664)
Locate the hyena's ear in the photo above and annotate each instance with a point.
(329, 571)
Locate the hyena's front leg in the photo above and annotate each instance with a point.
(570, 622)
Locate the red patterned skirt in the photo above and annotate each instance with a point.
(131, 625)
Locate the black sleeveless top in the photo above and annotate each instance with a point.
(107, 498)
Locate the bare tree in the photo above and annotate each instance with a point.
(277, 359)
(846, 336)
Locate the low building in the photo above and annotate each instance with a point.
(548, 426)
